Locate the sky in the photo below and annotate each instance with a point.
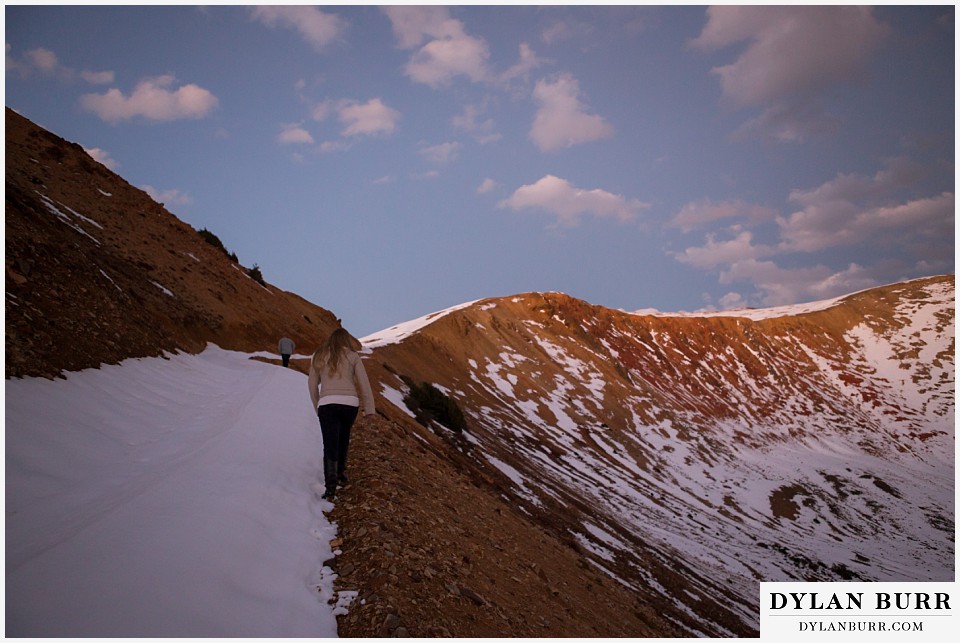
(385, 162)
(189, 515)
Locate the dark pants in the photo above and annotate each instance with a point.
(286, 359)
(336, 420)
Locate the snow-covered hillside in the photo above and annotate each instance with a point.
(166, 498)
(694, 456)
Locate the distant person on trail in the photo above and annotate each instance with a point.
(338, 383)
(286, 348)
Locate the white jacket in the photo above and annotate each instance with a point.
(350, 381)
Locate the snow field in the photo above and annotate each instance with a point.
(167, 498)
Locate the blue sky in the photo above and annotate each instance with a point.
(388, 162)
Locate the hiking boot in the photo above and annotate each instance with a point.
(328, 494)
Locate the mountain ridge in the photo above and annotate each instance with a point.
(582, 414)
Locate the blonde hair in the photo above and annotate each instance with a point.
(338, 344)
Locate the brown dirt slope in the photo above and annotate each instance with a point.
(97, 271)
(431, 550)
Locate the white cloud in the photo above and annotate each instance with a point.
(852, 210)
(789, 123)
(444, 51)
(899, 173)
(334, 146)
(561, 120)
(45, 62)
(372, 118)
(784, 286)
(792, 55)
(319, 29)
(97, 77)
(295, 134)
(568, 203)
(448, 52)
(699, 213)
(167, 197)
(440, 61)
(791, 49)
(488, 185)
(152, 99)
(842, 223)
(527, 63)
(413, 24)
(369, 119)
(722, 253)
(321, 111)
(442, 153)
(733, 300)
(557, 32)
(862, 215)
(102, 157)
(483, 131)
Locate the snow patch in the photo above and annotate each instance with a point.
(399, 332)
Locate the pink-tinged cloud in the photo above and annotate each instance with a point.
(785, 286)
(448, 51)
(414, 24)
(97, 77)
(152, 99)
(562, 120)
(704, 212)
(569, 204)
(318, 28)
(444, 51)
(487, 185)
(722, 253)
(43, 60)
(168, 197)
(102, 157)
(831, 224)
(295, 134)
(899, 173)
(373, 118)
(442, 153)
(439, 61)
(791, 50)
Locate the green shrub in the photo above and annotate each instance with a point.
(256, 275)
(214, 241)
(430, 404)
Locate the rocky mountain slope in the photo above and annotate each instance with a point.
(690, 457)
(618, 475)
(97, 271)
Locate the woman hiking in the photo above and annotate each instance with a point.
(338, 383)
